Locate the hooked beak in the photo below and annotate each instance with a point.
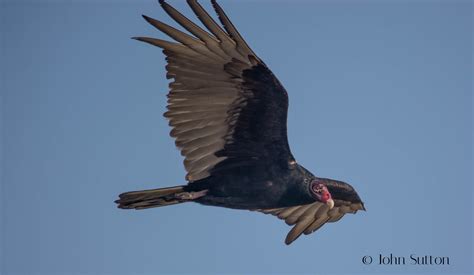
(330, 203)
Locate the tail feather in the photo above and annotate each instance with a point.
(149, 198)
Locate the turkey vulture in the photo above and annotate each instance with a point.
(228, 114)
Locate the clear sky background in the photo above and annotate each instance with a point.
(380, 97)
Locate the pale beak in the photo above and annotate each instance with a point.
(330, 203)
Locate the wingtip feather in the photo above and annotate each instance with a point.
(141, 39)
(150, 20)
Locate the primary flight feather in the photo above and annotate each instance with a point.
(228, 114)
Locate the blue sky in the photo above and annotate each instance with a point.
(380, 97)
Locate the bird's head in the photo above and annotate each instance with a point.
(321, 193)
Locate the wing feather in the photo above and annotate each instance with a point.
(320, 217)
(303, 221)
(187, 40)
(212, 85)
(175, 47)
(226, 43)
(286, 212)
(211, 42)
(309, 218)
(295, 216)
(234, 34)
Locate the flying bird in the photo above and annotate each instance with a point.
(228, 114)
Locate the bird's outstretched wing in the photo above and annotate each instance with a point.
(310, 217)
(224, 106)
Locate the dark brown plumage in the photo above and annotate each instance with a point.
(228, 114)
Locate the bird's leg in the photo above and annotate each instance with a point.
(188, 196)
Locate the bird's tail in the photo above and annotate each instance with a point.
(151, 198)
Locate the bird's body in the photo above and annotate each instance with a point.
(229, 115)
(255, 187)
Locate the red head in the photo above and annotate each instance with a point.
(321, 193)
